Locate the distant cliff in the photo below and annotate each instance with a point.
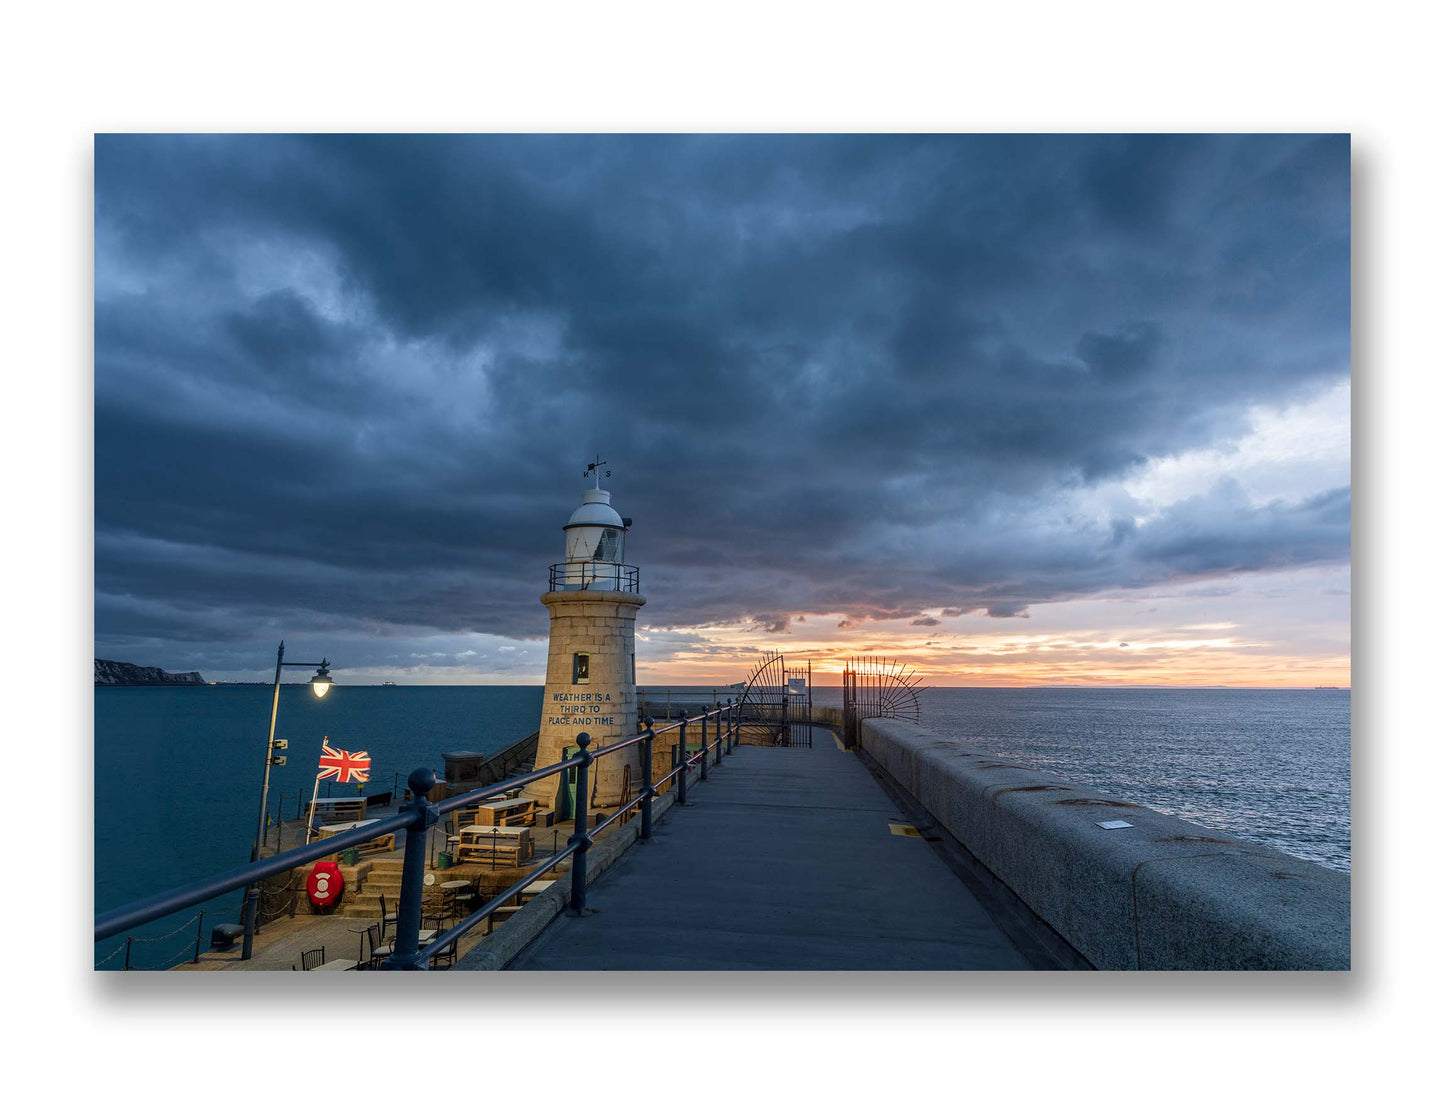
(110, 672)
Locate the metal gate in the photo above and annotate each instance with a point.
(764, 699)
(798, 707)
(877, 688)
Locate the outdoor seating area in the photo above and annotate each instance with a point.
(316, 960)
(510, 846)
(374, 948)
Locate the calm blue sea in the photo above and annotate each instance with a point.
(178, 770)
(1271, 766)
(178, 773)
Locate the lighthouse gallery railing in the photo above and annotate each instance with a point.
(594, 575)
(419, 814)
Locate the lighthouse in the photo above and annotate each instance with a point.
(592, 597)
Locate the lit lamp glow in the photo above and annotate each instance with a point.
(321, 682)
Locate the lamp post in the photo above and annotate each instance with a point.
(320, 684)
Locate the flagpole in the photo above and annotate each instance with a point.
(315, 789)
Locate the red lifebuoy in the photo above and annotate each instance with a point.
(325, 884)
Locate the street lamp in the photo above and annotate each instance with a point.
(320, 684)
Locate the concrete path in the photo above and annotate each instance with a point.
(783, 860)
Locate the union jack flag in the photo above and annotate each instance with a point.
(344, 766)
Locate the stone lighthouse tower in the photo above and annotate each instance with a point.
(593, 598)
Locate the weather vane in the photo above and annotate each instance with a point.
(594, 469)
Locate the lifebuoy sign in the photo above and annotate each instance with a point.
(325, 884)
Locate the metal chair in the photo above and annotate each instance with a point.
(386, 917)
(469, 899)
(312, 959)
(372, 949)
(446, 957)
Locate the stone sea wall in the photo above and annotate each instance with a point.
(1163, 894)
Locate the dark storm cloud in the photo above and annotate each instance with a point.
(353, 380)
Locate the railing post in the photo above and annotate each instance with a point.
(717, 731)
(580, 837)
(702, 751)
(729, 737)
(200, 922)
(682, 760)
(648, 793)
(128, 940)
(406, 955)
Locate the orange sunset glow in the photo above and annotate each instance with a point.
(1082, 643)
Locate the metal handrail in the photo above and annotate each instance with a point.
(421, 813)
(601, 575)
(118, 919)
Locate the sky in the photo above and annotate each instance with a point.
(1018, 410)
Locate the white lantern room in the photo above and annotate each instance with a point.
(595, 555)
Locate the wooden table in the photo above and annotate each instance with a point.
(483, 843)
(512, 811)
(379, 845)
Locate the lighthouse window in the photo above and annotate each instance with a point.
(581, 662)
(609, 549)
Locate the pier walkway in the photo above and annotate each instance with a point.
(810, 876)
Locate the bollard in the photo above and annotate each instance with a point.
(682, 760)
(406, 955)
(248, 919)
(702, 751)
(583, 759)
(648, 793)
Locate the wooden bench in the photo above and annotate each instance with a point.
(332, 810)
(379, 846)
(512, 845)
(505, 813)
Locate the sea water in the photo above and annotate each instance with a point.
(178, 769)
(178, 776)
(1269, 766)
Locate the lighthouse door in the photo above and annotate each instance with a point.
(567, 792)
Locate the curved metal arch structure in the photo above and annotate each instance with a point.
(874, 687)
(765, 697)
